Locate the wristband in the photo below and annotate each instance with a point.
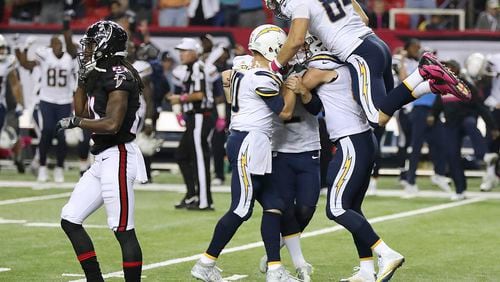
(275, 66)
(183, 98)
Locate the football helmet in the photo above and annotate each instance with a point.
(8, 137)
(3, 48)
(267, 39)
(102, 40)
(475, 64)
(275, 6)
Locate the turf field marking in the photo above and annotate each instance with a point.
(3, 269)
(33, 199)
(58, 225)
(308, 234)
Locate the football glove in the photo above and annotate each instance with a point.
(67, 122)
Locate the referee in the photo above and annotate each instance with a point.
(193, 93)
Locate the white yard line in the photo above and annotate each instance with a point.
(307, 234)
(33, 199)
(58, 225)
(3, 269)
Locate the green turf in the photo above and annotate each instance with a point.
(457, 244)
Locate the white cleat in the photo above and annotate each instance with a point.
(217, 182)
(388, 264)
(372, 187)
(263, 264)
(43, 175)
(360, 275)
(206, 272)
(458, 197)
(411, 191)
(59, 175)
(279, 275)
(441, 182)
(489, 182)
(304, 272)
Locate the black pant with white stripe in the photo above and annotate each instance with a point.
(193, 157)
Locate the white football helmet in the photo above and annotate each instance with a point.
(314, 45)
(267, 39)
(8, 137)
(475, 64)
(3, 48)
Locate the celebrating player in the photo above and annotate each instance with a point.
(8, 73)
(255, 100)
(113, 88)
(341, 26)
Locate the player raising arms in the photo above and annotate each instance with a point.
(8, 73)
(341, 26)
(255, 99)
(113, 88)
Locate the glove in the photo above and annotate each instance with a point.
(180, 120)
(67, 123)
(19, 110)
(220, 124)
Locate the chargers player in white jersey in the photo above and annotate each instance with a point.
(349, 171)
(8, 73)
(255, 99)
(58, 69)
(341, 26)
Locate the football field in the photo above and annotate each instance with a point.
(441, 240)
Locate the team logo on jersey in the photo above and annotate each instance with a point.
(119, 77)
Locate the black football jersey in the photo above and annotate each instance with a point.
(98, 85)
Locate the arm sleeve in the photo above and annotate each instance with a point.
(314, 106)
(268, 88)
(40, 54)
(198, 78)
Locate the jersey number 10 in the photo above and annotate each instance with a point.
(334, 9)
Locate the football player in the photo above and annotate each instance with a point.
(255, 99)
(107, 104)
(341, 26)
(350, 169)
(57, 70)
(8, 73)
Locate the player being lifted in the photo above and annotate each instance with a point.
(350, 169)
(255, 99)
(341, 26)
(107, 104)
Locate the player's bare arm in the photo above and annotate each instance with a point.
(80, 103)
(360, 12)
(16, 87)
(226, 84)
(115, 113)
(70, 46)
(289, 99)
(22, 57)
(186, 98)
(294, 41)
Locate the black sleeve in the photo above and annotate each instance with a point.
(314, 106)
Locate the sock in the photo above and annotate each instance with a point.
(367, 265)
(207, 259)
(227, 225)
(273, 265)
(292, 243)
(421, 89)
(397, 98)
(270, 232)
(131, 255)
(84, 250)
(413, 80)
(381, 248)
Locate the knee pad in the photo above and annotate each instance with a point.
(289, 223)
(70, 227)
(304, 215)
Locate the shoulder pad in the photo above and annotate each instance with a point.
(118, 78)
(242, 62)
(143, 68)
(266, 73)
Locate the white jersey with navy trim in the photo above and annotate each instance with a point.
(343, 115)
(336, 23)
(249, 112)
(6, 66)
(57, 76)
(143, 68)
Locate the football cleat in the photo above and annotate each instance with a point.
(441, 182)
(489, 182)
(430, 68)
(360, 275)
(184, 203)
(263, 264)
(460, 90)
(388, 264)
(42, 174)
(58, 175)
(206, 272)
(458, 197)
(304, 272)
(279, 275)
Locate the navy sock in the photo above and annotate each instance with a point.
(270, 232)
(224, 231)
(396, 99)
(358, 226)
(131, 255)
